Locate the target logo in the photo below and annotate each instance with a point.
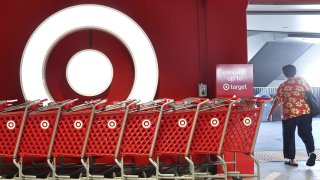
(88, 78)
(78, 124)
(247, 121)
(226, 87)
(11, 125)
(44, 124)
(214, 122)
(146, 124)
(112, 124)
(182, 123)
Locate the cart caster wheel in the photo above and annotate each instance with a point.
(237, 178)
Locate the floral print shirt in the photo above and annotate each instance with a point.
(291, 93)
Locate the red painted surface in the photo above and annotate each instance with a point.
(101, 41)
(226, 40)
(190, 38)
(283, 1)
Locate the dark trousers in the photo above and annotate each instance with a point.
(304, 123)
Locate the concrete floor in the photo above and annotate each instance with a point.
(280, 171)
(270, 136)
(269, 151)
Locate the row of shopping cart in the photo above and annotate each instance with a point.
(160, 139)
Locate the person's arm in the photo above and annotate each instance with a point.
(273, 108)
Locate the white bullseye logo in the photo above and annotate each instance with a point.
(146, 124)
(44, 124)
(78, 124)
(112, 124)
(86, 68)
(214, 122)
(182, 123)
(247, 121)
(89, 16)
(11, 125)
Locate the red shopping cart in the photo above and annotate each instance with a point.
(37, 134)
(12, 124)
(69, 133)
(139, 133)
(242, 132)
(104, 133)
(173, 136)
(208, 135)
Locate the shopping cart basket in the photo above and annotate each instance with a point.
(104, 133)
(207, 135)
(139, 133)
(12, 120)
(174, 134)
(37, 134)
(69, 133)
(242, 131)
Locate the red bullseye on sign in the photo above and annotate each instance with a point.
(247, 121)
(112, 124)
(182, 123)
(11, 125)
(78, 124)
(44, 124)
(214, 122)
(146, 124)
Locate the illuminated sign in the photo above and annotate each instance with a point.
(234, 79)
(75, 18)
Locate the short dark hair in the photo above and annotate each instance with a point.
(289, 70)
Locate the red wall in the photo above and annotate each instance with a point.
(283, 1)
(189, 37)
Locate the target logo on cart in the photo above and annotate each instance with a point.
(112, 124)
(247, 121)
(182, 123)
(89, 78)
(44, 124)
(146, 124)
(78, 124)
(214, 122)
(11, 125)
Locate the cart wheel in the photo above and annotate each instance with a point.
(237, 178)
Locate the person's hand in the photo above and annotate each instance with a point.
(269, 118)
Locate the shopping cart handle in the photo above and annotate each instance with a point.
(100, 105)
(68, 105)
(11, 101)
(166, 106)
(199, 100)
(6, 103)
(35, 104)
(43, 100)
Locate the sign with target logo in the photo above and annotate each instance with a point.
(44, 124)
(234, 79)
(11, 125)
(146, 124)
(112, 124)
(214, 122)
(247, 121)
(98, 72)
(182, 123)
(78, 124)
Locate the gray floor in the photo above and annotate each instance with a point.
(270, 136)
(280, 171)
(269, 151)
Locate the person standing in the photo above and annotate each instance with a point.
(295, 113)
